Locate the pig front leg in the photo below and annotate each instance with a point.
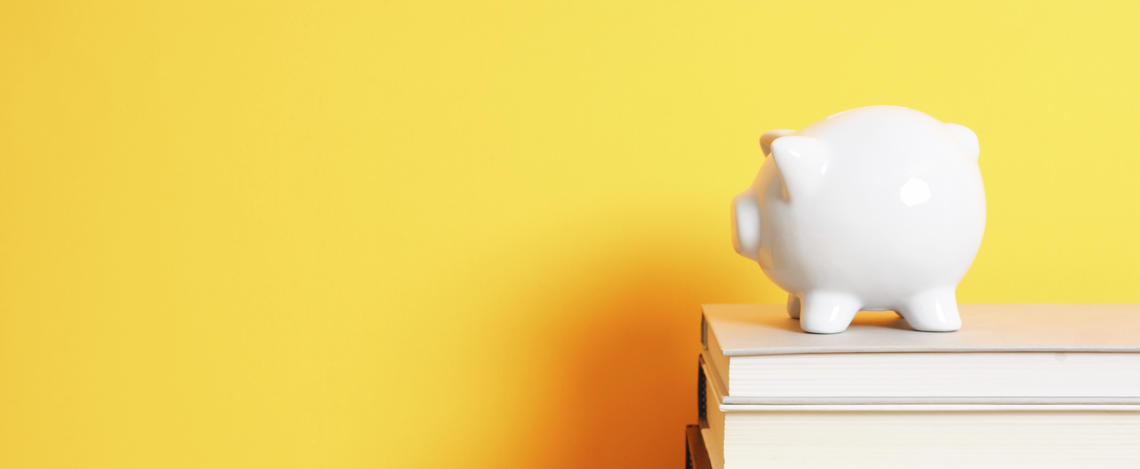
(934, 310)
(828, 312)
(794, 306)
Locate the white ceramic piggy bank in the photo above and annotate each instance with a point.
(876, 208)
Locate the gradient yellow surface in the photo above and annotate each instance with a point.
(331, 234)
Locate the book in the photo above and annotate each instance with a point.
(696, 455)
(738, 436)
(1004, 354)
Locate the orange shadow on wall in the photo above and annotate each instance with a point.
(625, 359)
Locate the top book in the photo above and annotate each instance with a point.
(1045, 353)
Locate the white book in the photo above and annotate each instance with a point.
(883, 436)
(1004, 354)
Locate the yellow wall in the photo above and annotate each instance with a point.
(313, 234)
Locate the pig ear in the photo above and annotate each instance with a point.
(802, 162)
(770, 136)
(966, 139)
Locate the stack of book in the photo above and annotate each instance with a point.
(1018, 386)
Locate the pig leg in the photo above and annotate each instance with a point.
(828, 312)
(934, 310)
(793, 306)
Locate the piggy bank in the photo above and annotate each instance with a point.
(875, 208)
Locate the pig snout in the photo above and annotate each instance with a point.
(746, 225)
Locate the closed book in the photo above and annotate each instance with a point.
(696, 455)
(1004, 354)
(910, 435)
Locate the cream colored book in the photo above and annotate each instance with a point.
(1004, 354)
(883, 436)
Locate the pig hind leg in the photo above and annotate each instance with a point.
(934, 310)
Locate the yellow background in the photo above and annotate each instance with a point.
(332, 234)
